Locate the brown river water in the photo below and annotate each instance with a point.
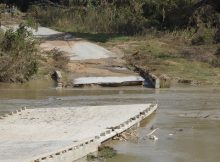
(181, 138)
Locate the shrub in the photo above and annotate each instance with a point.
(107, 152)
(60, 59)
(104, 152)
(18, 55)
(92, 18)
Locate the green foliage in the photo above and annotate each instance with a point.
(18, 55)
(126, 17)
(31, 22)
(91, 157)
(106, 152)
(168, 13)
(101, 18)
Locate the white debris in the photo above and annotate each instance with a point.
(152, 136)
(152, 132)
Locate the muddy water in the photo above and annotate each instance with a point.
(181, 139)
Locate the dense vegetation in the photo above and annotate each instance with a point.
(18, 55)
(122, 16)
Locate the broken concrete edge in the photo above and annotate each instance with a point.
(131, 83)
(81, 149)
(58, 78)
(107, 81)
(129, 123)
(40, 32)
(154, 80)
(61, 154)
(13, 113)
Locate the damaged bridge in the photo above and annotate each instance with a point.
(64, 134)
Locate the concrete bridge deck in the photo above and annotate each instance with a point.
(64, 134)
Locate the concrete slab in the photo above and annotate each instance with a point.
(44, 32)
(33, 132)
(78, 50)
(40, 32)
(113, 80)
(87, 50)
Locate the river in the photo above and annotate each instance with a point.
(181, 138)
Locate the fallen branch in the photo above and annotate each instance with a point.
(152, 132)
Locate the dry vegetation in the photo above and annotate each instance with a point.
(173, 55)
(18, 55)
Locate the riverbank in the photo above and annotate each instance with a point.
(169, 55)
(166, 55)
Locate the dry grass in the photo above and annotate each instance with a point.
(171, 54)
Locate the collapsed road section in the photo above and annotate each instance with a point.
(64, 134)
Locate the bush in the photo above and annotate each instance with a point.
(60, 59)
(107, 152)
(104, 152)
(18, 55)
(101, 18)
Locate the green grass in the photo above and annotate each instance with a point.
(202, 72)
(162, 55)
(104, 152)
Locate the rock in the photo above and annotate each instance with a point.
(57, 76)
(180, 130)
(68, 37)
(152, 127)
